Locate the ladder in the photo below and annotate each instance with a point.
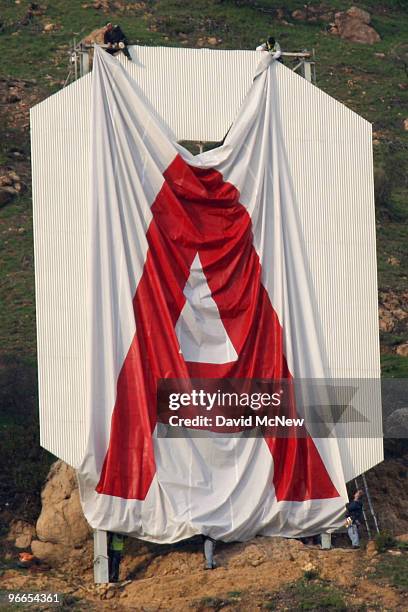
(370, 505)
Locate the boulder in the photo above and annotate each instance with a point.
(312, 14)
(54, 554)
(356, 13)
(396, 424)
(299, 15)
(353, 25)
(51, 27)
(371, 549)
(61, 522)
(95, 37)
(402, 538)
(386, 322)
(22, 533)
(402, 350)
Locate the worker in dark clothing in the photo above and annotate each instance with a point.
(354, 514)
(273, 47)
(115, 551)
(115, 40)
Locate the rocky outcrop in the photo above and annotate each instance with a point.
(21, 533)
(354, 25)
(61, 526)
(393, 311)
(95, 37)
(10, 186)
(312, 14)
(17, 96)
(396, 425)
(113, 6)
(402, 350)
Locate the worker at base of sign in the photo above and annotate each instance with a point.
(115, 551)
(115, 40)
(209, 548)
(273, 47)
(354, 518)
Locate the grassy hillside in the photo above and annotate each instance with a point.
(372, 80)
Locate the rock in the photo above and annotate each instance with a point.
(13, 99)
(396, 424)
(402, 350)
(96, 36)
(386, 324)
(400, 314)
(371, 549)
(23, 541)
(299, 15)
(395, 553)
(61, 521)
(312, 14)
(13, 176)
(9, 190)
(393, 261)
(379, 55)
(50, 27)
(212, 40)
(54, 554)
(406, 124)
(22, 533)
(402, 538)
(353, 25)
(357, 13)
(5, 181)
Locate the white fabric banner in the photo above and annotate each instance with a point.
(197, 270)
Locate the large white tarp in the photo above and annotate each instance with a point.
(197, 270)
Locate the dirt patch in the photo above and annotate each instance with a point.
(263, 573)
(17, 96)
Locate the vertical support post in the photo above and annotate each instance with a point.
(201, 147)
(101, 565)
(76, 59)
(307, 70)
(325, 541)
(84, 60)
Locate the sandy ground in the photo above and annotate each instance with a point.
(246, 576)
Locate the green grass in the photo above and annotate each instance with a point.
(24, 464)
(17, 315)
(308, 595)
(209, 603)
(393, 570)
(394, 366)
(349, 72)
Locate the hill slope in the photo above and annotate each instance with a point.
(34, 46)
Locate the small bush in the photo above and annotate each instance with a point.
(310, 574)
(384, 540)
